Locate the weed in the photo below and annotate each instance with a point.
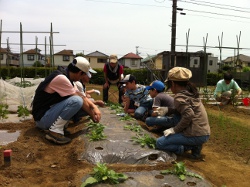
(180, 171)
(144, 140)
(102, 174)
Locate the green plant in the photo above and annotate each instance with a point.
(180, 171)
(126, 118)
(133, 127)
(117, 108)
(144, 140)
(102, 174)
(96, 132)
(4, 111)
(22, 111)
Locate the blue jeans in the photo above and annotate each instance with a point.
(175, 142)
(145, 107)
(163, 121)
(66, 109)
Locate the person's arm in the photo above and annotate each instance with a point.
(126, 104)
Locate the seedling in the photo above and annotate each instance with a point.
(180, 171)
(96, 132)
(4, 111)
(117, 108)
(102, 174)
(144, 140)
(133, 127)
(22, 111)
(126, 118)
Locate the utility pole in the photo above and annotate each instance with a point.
(173, 32)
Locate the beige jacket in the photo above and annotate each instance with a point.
(194, 120)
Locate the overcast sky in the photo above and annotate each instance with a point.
(118, 26)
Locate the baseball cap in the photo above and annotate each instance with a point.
(83, 64)
(113, 59)
(158, 85)
(179, 74)
(128, 78)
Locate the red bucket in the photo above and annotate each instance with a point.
(246, 101)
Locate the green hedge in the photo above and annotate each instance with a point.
(98, 78)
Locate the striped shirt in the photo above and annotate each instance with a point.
(139, 95)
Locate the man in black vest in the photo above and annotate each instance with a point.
(113, 73)
(57, 101)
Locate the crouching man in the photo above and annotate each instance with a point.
(57, 100)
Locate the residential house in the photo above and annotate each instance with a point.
(62, 58)
(31, 56)
(97, 59)
(131, 60)
(212, 63)
(7, 57)
(240, 61)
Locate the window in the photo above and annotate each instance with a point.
(31, 57)
(1, 57)
(210, 62)
(101, 60)
(195, 61)
(133, 62)
(65, 57)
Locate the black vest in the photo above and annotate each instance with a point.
(43, 100)
(111, 75)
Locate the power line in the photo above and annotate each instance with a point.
(215, 6)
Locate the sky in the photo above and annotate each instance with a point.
(124, 26)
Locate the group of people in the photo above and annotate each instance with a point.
(62, 97)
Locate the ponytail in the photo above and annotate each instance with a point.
(192, 89)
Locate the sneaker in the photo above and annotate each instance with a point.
(196, 152)
(57, 138)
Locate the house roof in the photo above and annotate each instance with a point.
(32, 51)
(131, 56)
(3, 50)
(65, 52)
(96, 54)
(243, 58)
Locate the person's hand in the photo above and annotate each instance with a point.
(168, 132)
(106, 85)
(97, 92)
(96, 115)
(236, 97)
(161, 111)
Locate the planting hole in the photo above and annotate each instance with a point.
(191, 183)
(152, 157)
(159, 176)
(99, 148)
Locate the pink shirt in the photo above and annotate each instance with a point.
(61, 85)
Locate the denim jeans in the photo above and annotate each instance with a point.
(163, 121)
(66, 109)
(145, 107)
(175, 142)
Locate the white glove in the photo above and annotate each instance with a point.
(169, 131)
(97, 92)
(161, 111)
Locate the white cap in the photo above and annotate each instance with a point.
(83, 64)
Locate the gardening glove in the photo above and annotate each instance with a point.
(97, 92)
(161, 111)
(168, 132)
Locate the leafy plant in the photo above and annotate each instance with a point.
(126, 118)
(133, 127)
(117, 108)
(144, 140)
(4, 111)
(22, 111)
(102, 174)
(180, 171)
(96, 132)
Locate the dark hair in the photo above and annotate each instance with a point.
(72, 68)
(228, 76)
(189, 86)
